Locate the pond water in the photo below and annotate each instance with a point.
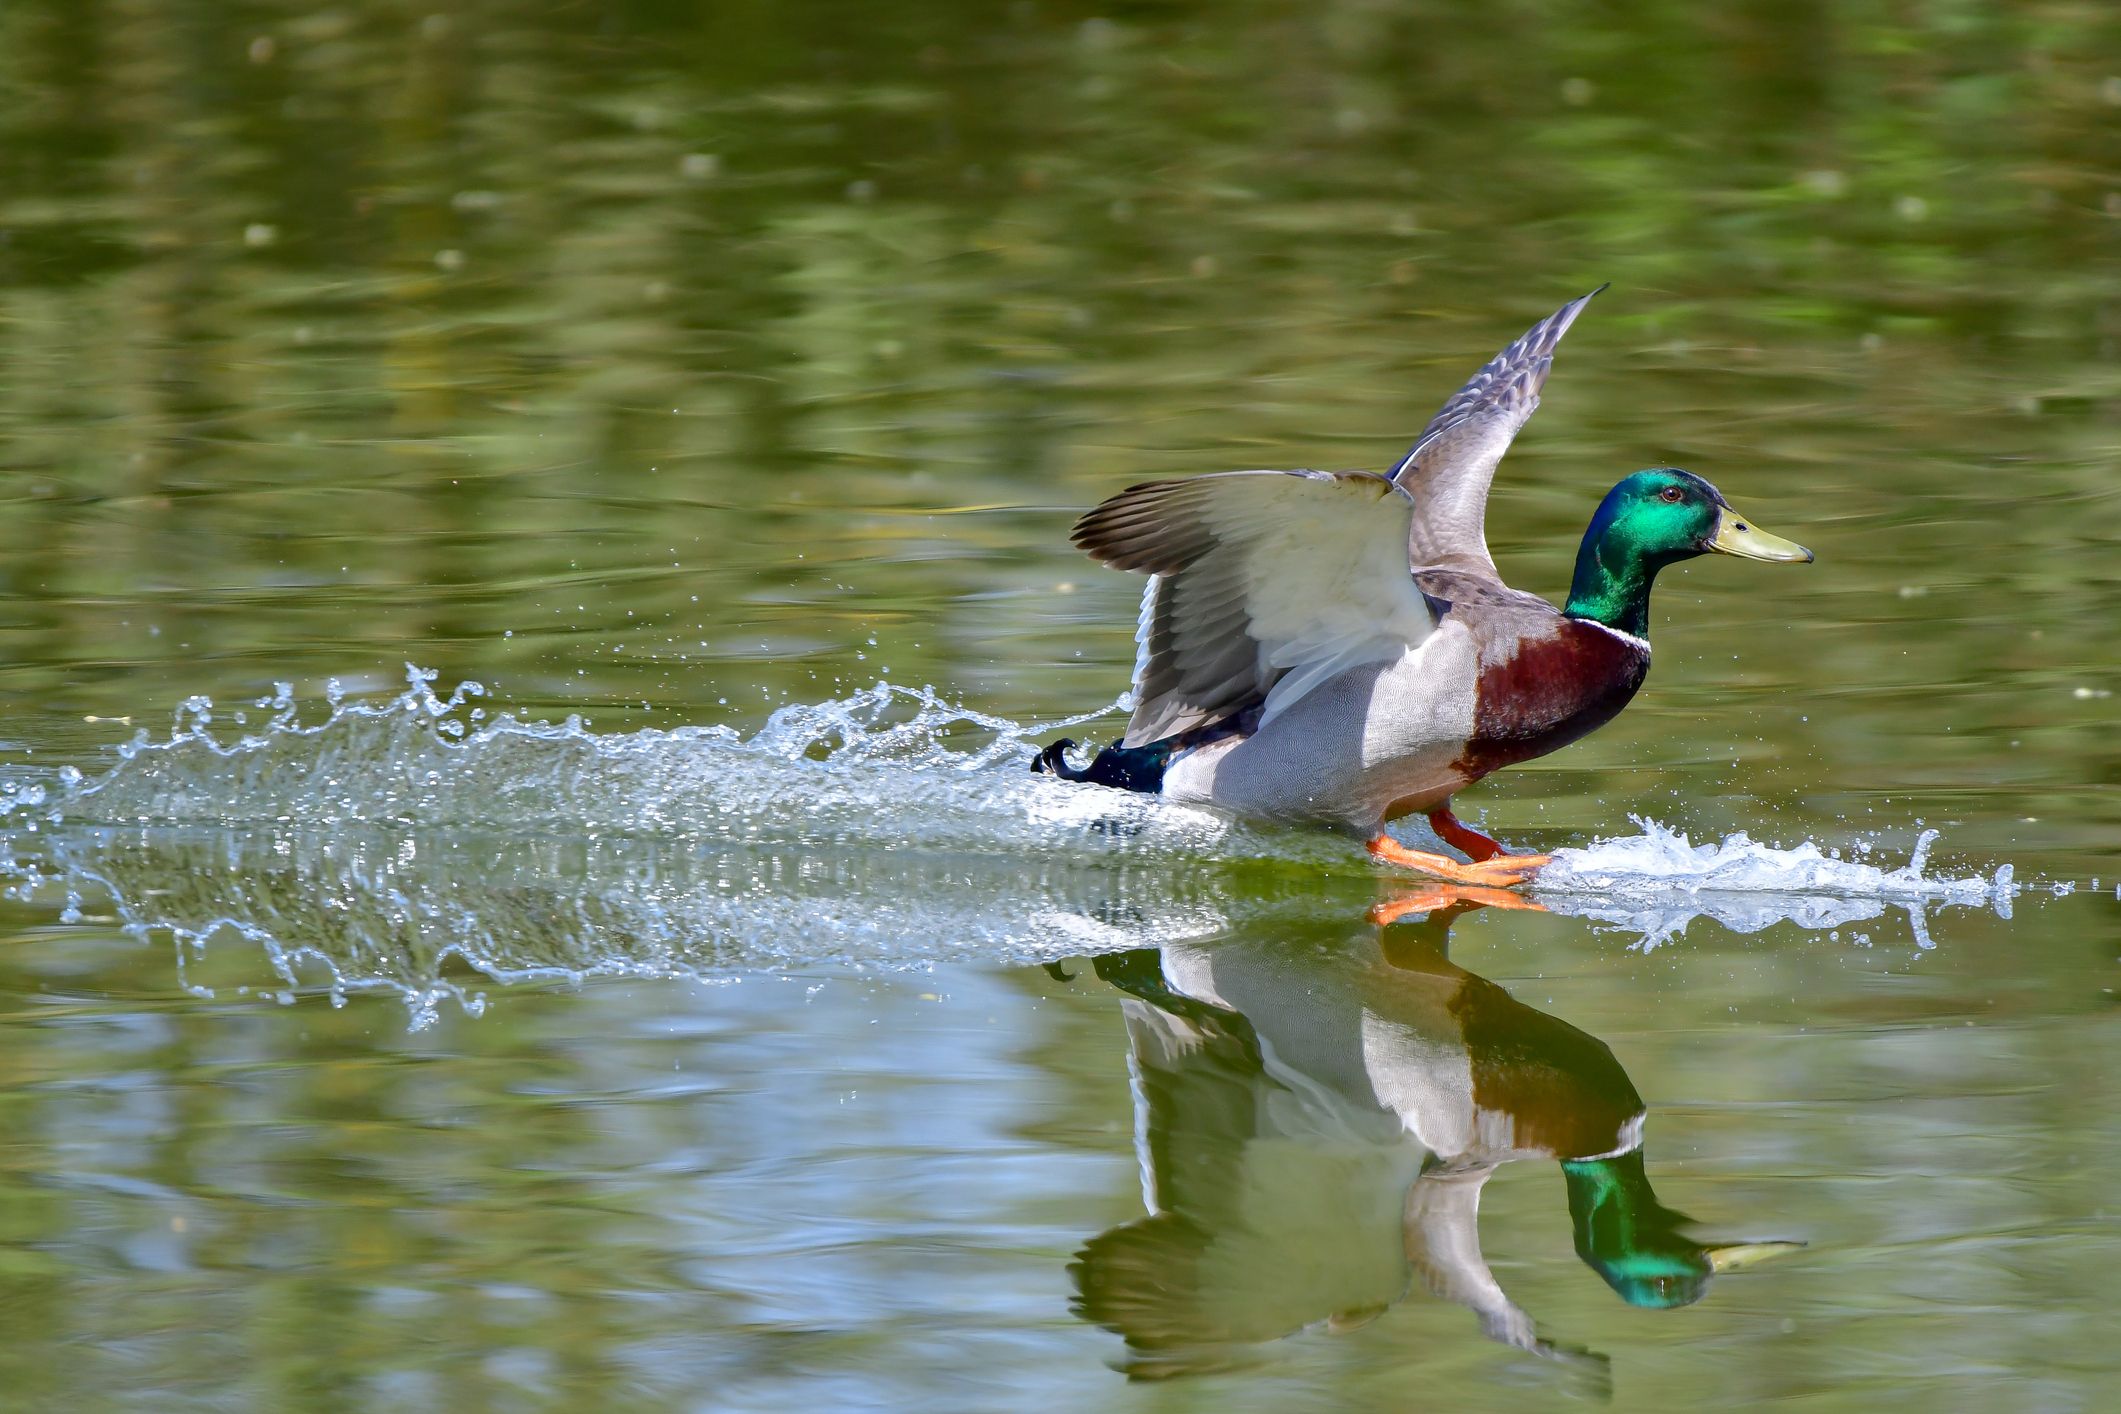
(534, 559)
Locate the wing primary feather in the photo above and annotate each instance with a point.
(1518, 372)
(1452, 463)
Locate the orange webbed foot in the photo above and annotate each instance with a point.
(1502, 872)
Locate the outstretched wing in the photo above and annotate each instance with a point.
(1452, 464)
(1266, 584)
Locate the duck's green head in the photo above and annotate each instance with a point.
(1650, 520)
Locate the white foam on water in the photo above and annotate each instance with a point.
(1657, 882)
(1666, 859)
(887, 767)
(424, 915)
(413, 844)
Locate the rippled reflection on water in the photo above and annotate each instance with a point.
(808, 1183)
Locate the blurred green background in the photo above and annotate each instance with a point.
(671, 363)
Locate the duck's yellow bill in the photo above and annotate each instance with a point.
(1735, 535)
(1739, 1256)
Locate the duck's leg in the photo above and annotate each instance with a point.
(1461, 836)
(1501, 872)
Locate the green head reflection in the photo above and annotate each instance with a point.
(1625, 1235)
(1318, 1108)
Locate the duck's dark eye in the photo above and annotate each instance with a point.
(1672, 494)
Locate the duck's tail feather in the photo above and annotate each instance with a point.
(1139, 768)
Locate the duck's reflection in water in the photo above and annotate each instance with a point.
(1317, 1113)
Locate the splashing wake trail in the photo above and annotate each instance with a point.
(888, 767)
(392, 843)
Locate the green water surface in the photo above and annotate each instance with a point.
(672, 364)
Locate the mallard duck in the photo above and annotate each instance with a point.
(1337, 647)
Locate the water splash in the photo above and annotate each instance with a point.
(427, 915)
(417, 844)
(1667, 859)
(1666, 880)
(888, 767)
